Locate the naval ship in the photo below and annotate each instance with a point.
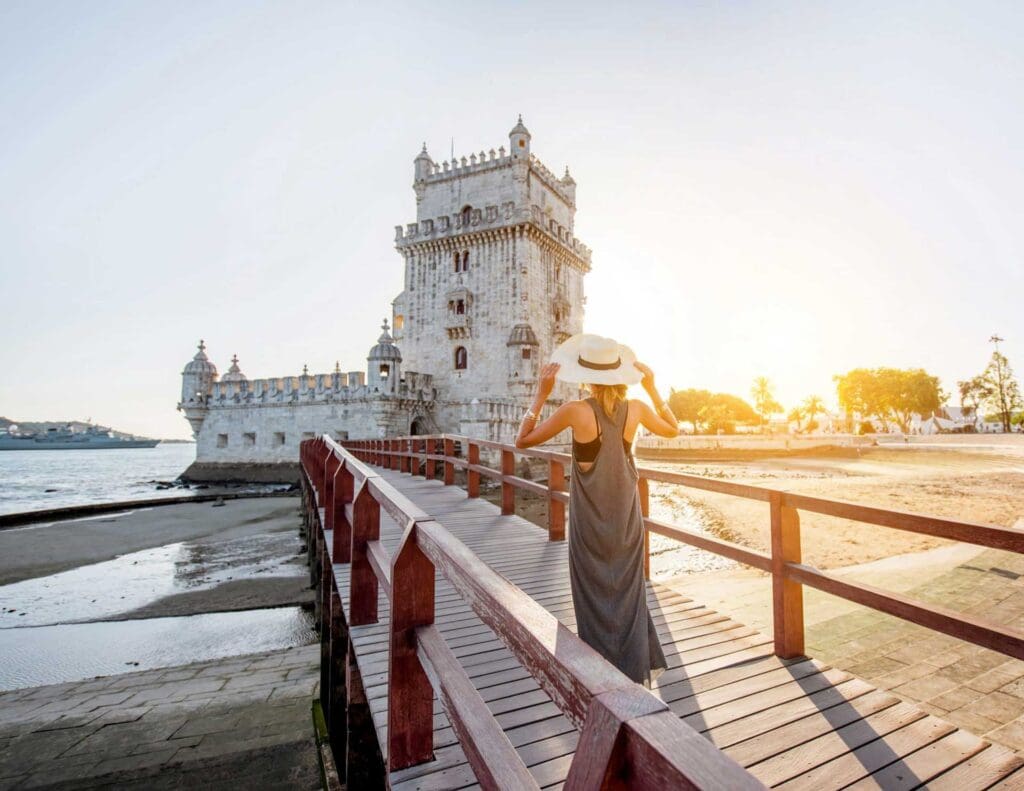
(64, 438)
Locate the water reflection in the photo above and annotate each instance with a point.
(74, 652)
(113, 587)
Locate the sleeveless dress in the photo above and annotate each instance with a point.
(606, 550)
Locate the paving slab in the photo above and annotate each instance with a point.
(211, 724)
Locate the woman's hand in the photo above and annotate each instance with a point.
(648, 380)
(547, 381)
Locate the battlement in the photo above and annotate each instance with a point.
(316, 388)
(485, 219)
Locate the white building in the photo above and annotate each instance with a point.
(493, 282)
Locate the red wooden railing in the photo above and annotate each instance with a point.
(784, 562)
(628, 736)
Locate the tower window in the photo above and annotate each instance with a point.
(465, 260)
(460, 358)
(399, 321)
(466, 213)
(279, 438)
(222, 440)
(458, 262)
(526, 352)
(460, 307)
(522, 144)
(249, 439)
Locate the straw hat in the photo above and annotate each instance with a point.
(591, 359)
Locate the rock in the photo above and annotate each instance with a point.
(202, 486)
(50, 491)
(219, 502)
(161, 487)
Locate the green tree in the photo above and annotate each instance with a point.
(974, 393)
(764, 398)
(891, 395)
(1004, 392)
(687, 404)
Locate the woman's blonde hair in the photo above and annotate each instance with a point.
(608, 396)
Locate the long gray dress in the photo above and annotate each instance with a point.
(606, 550)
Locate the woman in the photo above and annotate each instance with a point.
(606, 529)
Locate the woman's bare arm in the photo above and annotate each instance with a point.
(532, 432)
(660, 420)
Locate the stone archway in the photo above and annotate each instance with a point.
(418, 427)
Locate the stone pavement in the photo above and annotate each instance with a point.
(979, 690)
(240, 722)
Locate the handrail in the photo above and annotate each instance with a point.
(624, 728)
(784, 561)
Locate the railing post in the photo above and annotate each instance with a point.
(330, 477)
(337, 725)
(431, 471)
(787, 595)
(644, 490)
(363, 581)
(472, 476)
(449, 467)
(508, 491)
(556, 508)
(341, 538)
(410, 694)
(405, 462)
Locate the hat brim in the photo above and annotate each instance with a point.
(570, 370)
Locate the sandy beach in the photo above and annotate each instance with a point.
(194, 558)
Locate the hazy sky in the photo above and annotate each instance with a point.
(781, 189)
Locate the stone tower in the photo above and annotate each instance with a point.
(493, 276)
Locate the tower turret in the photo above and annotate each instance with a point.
(384, 363)
(197, 379)
(423, 164)
(519, 140)
(523, 358)
(234, 373)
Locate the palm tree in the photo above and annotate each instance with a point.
(764, 399)
(813, 405)
(796, 415)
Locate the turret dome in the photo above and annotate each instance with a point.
(385, 348)
(522, 335)
(200, 364)
(519, 128)
(234, 373)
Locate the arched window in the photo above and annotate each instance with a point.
(465, 260)
(460, 358)
(467, 212)
(399, 321)
(456, 259)
(460, 307)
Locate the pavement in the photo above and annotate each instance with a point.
(979, 690)
(241, 722)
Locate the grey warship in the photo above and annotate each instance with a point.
(64, 438)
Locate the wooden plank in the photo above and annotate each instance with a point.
(380, 561)
(980, 771)
(852, 765)
(486, 747)
(921, 766)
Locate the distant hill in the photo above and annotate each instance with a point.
(28, 426)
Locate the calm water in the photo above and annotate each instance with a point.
(88, 476)
(39, 655)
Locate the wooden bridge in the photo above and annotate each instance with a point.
(448, 649)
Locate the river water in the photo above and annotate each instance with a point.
(31, 480)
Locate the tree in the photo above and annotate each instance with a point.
(764, 399)
(796, 415)
(974, 393)
(713, 411)
(889, 394)
(686, 405)
(1004, 392)
(813, 406)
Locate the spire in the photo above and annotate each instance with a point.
(201, 354)
(337, 367)
(305, 370)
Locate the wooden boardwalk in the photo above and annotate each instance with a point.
(795, 723)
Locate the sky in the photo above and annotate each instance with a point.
(790, 190)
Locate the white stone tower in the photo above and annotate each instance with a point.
(493, 278)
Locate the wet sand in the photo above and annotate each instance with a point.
(244, 554)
